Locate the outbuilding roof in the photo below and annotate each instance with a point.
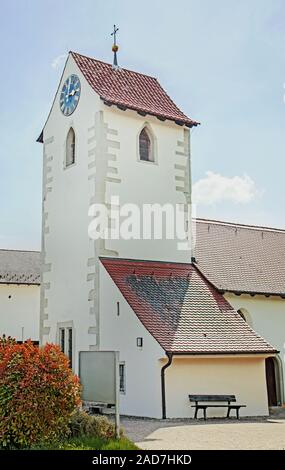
(181, 310)
(19, 267)
(241, 258)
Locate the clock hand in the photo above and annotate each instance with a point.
(73, 92)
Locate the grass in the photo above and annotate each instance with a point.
(90, 443)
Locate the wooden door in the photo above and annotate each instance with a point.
(271, 382)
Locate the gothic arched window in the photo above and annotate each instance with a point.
(70, 148)
(145, 146)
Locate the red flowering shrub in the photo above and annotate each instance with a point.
(38, 393)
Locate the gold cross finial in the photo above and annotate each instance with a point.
(115, 47)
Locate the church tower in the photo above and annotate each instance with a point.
(111, 132)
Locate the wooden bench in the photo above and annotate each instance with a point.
(202, 402)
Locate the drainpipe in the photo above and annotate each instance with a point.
(169, 355)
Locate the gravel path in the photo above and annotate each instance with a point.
(260, 433)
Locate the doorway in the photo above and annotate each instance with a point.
(271, 381)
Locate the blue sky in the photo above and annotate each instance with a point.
(222, 62)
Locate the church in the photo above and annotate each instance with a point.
(210, 321)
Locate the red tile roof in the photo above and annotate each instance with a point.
(131, 90)
(181, 310)
(241, 258)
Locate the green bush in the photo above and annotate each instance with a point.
(88, 443)
(82, 424)
(38, 393)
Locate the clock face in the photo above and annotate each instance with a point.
(70, 95)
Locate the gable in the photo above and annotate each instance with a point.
(88, 101)
(125, 89)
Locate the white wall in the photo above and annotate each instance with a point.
(266, 316)
(68, 252)
(119, 333)
(20, 308)
(235, 375)
(147, 182)
(243, 377)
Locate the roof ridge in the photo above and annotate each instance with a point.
(107, 63)
(238, 224)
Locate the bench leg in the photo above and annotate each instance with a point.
(237, 413)
(196, 412)
(228, 413)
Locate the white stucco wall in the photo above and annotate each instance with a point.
(66, 247)
(119, 333)
(243, 377)
(20, 311)
(266, 315)
(148, 182)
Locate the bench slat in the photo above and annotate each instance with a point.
(213, 406)
(212, 398)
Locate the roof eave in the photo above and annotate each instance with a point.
(251, 293)
(40, 139)
(180, 122)
(7, 283)
(221, 353)
(223, 290)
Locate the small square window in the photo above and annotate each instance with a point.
(139, 342)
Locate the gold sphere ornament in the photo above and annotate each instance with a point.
(115, 48)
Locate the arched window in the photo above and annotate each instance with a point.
(70, 148)
(241, 314)
(145, 146)
(245, 316)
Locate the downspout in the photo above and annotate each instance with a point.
(169, 355)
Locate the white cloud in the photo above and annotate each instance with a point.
(58, 61)
(216, 188)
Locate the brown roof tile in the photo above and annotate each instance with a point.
(240, 258)
(128, 89)
(181, 310)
